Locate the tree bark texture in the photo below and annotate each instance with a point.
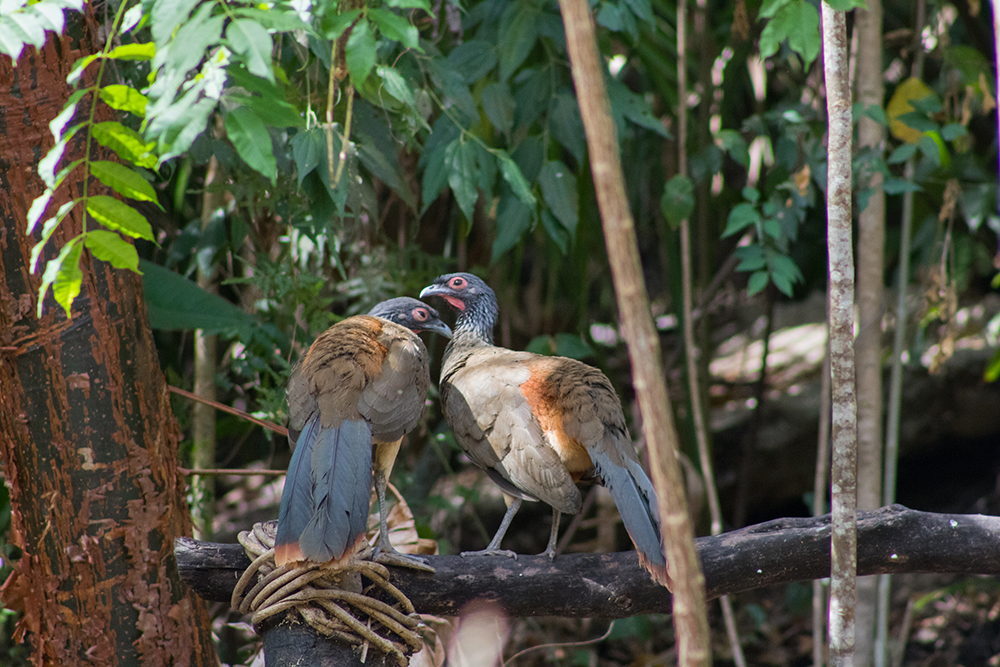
(892, 539)
(871, 306)
(690, 615)
(843, 584)
(88, 444)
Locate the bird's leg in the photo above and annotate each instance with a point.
(384, 552)
(550, 550)
(493, 548)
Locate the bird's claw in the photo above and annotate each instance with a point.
(393, 557)
(490, 552)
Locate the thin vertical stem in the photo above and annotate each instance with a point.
(843, 585)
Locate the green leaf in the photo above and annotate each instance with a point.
(47, 165)
(460, 159)
(396, 85)
(897, 186)
(903, 153)
(953, 131)
(559, 190)
(733, 143)
(58, 124)
(133, 51)
(125, 142)
(758, 281)
(109, 247)
(48, 228)
(918, 121)
(308, 149)
(410, 4)
(272, 16)
(125, 98)
(566, 125)
(798, 22)
(993, 367)
(192, 41)
(751, 258)
(514, 219)
(388, 169)
(515, 179)
(742, 216)
(360, 52)
(119, 216)
(123, 180)
(338, 24)
(252, 141)
(677, 202)
(499, 106)
(518, 33)
(930, 149)
(395, 27)
(845, 5)
(556, 232)
(473, 59)
(63, 274)
(37, 209)
(166, 16)
(249, 39)
(174, 302)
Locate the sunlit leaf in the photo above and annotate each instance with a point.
(134, 51)
(64, 273)
(48, 228)
(124, 98)
(125, 142)
(109, 247)
(249, 39)
(119, 216)
(360, 52)
(123, 180)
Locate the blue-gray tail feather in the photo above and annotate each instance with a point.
(324, 506)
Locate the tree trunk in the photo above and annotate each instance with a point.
(868, 346)
(89, 446)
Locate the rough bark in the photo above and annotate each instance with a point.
(843, 584)
(89, 446)
(893, 539)
(868, 346)
(690, 617)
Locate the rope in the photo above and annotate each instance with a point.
(314, 591)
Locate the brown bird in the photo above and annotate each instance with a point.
(362, 382)
(538, 424)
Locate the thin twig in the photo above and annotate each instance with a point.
(280, 430)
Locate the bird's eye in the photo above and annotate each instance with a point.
(458, 283)
(419, 314)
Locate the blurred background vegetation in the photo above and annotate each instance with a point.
(310, 159)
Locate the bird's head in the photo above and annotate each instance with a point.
(470, 296)
(415, 315)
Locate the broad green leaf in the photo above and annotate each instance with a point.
(518, 33)
(772, 7)
(126, 143)
(125, 98)
(396, 27)
(953, 131)
(109, 247)
(566, 125)
(137, 51)
(473, 59)
(123, 180)
(742, 216)
(360, 52)
(897, 186)
(845, 5)
(334, 26)
(515, 179)
(903, 153)
(451, 83)
(252, 141)
(119, 216)
(556, 232)
(48, 228)
(308, 149)
(751, 258)
(514, 219)
(757, 282)
(559, 190)
(174, 302)
(388, 169)
(436, 171)
(918, 121)
(64, 273)
(276, 112)
(395, 85)
(734, 144)
(410, 4)
(249, 39)
(499, 106)
(272, 17)
(166, 16)
(610, 17)
(460, 159)
(798, 22)
(677, 201)
(930, 148)
(192, 42)
(643, 9)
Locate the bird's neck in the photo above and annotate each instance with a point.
(474, 328)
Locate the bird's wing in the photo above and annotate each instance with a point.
(497, 426)
(393, 400)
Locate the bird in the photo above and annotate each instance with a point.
(539, 424)
(360, 386)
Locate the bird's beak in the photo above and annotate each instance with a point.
(440, 328)
(431, 290)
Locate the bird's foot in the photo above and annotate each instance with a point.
(550, 552)
(490, 552)
(393, 557)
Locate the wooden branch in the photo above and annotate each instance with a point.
(890, 540)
